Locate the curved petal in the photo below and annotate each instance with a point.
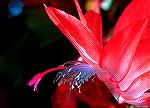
(134, 11)
(120, 50)
(143, 101)
(140, 63)
(78, 34)
(92, 19)
(138, 87)
(94, 23)
(110, 82)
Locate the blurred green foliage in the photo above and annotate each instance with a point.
(38, 21)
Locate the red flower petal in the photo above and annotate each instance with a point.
(120, 50)
(94, 23)
(141, 61)
(92, 19)
(136, 10)
(143, 101)
(138, 87)
(79, 35)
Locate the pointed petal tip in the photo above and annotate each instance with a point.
(80, 36)
(80, 12)
(44, 5)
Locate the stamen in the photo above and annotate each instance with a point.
(77, 73)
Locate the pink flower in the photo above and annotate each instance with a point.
(123, 64)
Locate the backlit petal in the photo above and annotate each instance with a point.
(138, 87)
(141, 61)
(135, 11)
(78, 34)
(94, 23)
(119, 52)
(143, 101)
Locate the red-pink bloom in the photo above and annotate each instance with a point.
(93, 94)
(123, 64)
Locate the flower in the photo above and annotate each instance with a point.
(123, 64)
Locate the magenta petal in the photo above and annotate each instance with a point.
(119, 52)
(94, 23)
(78, 34)
(140, 63)
(138, 87)
(135, 11)
(143, 101)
